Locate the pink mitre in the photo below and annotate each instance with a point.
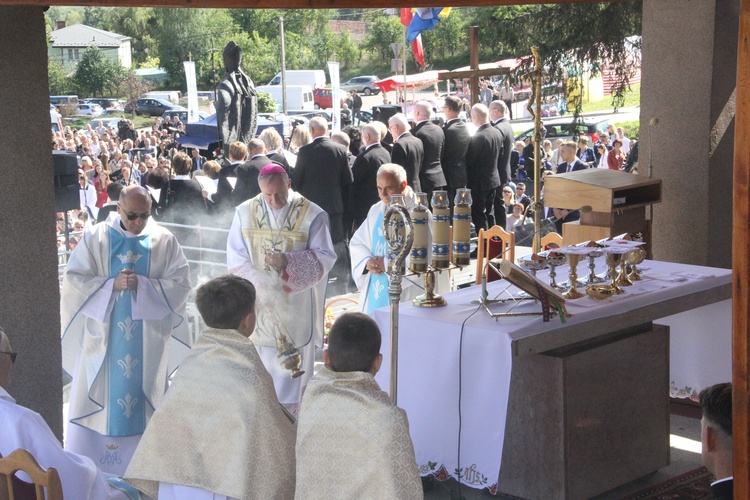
(272, 168)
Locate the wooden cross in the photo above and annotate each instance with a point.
(474, 73)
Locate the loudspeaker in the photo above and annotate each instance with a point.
(384, 112)
(65, 171)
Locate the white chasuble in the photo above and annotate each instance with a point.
(353, 442)
(115, 344)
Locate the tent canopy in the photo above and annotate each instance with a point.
(415, 81)
(204, 133)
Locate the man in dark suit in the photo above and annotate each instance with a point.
(716, 438)
(431, 175)
(407, 150)
(322, 175)
(364, 190)
(197, 159)
(481, 166)
(456, 143)
(113, 193)
(498, 110)
(222, 198)
(247, 174)
(571, 161)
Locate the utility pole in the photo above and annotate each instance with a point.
(283, 66)
(213, 68)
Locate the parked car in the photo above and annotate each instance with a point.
(107, 121)
(153, 107)
(104, 102)
(362, 84)
(562, 129)
(89, 110)
(182, 114)
(323, 98)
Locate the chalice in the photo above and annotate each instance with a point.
(554, 259)
(613, 256)
(634, 258)
(573, 255)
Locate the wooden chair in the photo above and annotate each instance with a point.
(22, 460)
(552, 239)
(507, 248)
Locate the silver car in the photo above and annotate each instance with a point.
(362, 84)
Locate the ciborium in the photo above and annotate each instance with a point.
(554, 259)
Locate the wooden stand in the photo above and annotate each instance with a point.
(618, 202)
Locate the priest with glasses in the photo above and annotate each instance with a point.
(124, 329)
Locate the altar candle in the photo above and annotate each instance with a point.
(441, 223)
(420, 220)
(462, 227)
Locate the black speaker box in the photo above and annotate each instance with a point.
(384, 112)
(65, 171)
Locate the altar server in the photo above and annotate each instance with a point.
(220, 433)
(347, 419)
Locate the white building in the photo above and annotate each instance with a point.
(68, 43)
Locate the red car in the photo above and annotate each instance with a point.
(323, 98)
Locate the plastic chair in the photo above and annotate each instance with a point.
(486, 249)
(22, 460)
(552, 239)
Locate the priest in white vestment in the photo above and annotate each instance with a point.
(352, 441)
(281, 242)
(122, 299)
(23, 428)
(369, 249)
(220, 433)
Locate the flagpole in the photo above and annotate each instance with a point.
(403, 106)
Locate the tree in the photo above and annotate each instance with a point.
(575, 38)
(59, 81)
(131, 87)
(448, 35)
(384, 31)
(96, 73)
(266, 103)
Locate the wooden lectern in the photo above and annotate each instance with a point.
(618, 202)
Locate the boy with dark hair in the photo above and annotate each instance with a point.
(346, 418)
(220, 413)
(716, 437)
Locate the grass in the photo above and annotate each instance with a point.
(80, 122)
(632, 98)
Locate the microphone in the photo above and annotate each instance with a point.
(585, 209)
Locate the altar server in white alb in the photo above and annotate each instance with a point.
(220, 433)
(123, 299)
(281, 242)
(352, 441)
(23, 428)
(369, 249)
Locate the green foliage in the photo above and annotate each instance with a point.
(131, 87)
(384, 31)
(266, 103)
(59, 81)
(97, 74)
(449, 37)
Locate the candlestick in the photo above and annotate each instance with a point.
(462, 227)
(441, 223)
(420, 219)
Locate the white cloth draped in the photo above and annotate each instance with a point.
(23, 428)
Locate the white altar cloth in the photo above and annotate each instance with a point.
(440, 369)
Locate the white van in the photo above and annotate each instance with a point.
(172, 96)
(312, 77)
(297, 96)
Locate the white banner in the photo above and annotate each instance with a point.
(333, 70)
(192, 92)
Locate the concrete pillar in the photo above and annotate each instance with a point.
(29, 291)
(688, 82)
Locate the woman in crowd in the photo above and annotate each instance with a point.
(509, 199)
(274, 147)
(182, 198)
(616, 157)
(515, 217)
(585, 153)
(603, 155)
(300, 137)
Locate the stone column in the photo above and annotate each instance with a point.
(688, 83)
(29, 291)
